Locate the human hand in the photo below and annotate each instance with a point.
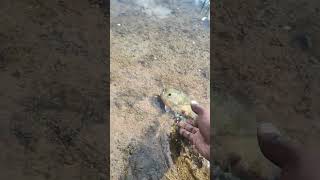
(198, 134)
(296, 162)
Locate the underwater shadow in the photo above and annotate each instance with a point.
(150, 157)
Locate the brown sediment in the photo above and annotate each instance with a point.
(186, 169)
(264, 69)
(187, 163)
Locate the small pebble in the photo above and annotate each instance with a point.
(119, 24)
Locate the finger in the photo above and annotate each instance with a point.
(188, 127)
(193, 123)
(197, 108)
(186, 134)
(276, 147)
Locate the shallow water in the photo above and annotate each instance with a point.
(154, 44)
(161, 8)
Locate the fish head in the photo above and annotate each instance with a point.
(172, 97)
(177, 101)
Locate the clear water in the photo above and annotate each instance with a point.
(154, 43)
(163, 8)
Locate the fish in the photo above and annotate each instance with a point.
(179, 103)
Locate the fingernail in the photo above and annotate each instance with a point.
(194, 102)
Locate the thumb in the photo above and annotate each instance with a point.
(197, 108)
(276, 147)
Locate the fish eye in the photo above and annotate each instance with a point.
(169, 94)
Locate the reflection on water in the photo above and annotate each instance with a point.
(153, 8)
(164, 8)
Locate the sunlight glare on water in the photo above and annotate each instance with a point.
(166, 8)
(152, 8)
